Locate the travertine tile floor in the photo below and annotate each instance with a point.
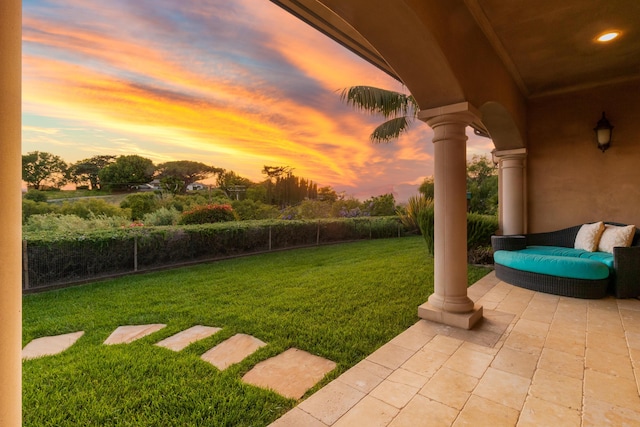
(535, 360)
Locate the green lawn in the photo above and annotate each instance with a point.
(340, 302)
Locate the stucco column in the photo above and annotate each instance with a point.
(512, 193)
(10, 214)
(449, 303)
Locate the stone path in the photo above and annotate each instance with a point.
(289, 374)
(48, 346)
(182, 339)
(232, 351)
(128, 334)
(277, 373)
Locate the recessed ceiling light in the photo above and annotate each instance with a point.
(608, 36)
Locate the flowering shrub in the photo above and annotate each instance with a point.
(352, 213)
(208, 214)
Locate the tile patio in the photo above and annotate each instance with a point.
(534, 360)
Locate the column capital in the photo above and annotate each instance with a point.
(462, 112)
(518, 153)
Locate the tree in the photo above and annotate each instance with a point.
(127, 171)
(140, 204)
(327, 194)
(399, 109)
(427, 188)
(233, 185)
(40, 167)
(172, 185)
(287, 189)
(184, 171)
(384, 205)
(482, 183)
(276, 171)
(88, 170)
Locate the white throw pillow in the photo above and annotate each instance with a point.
(589, 236)
(614, 236)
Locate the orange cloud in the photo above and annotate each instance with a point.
(221, 131)
(238, 85)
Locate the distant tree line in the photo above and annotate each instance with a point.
(280, 195)
(42, 170)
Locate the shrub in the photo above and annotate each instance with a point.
(479, 231)
(409, 217)
(384, 205)
(185, 202)
(36, 196)
(250, 209)
(480, 228)
(311, 209)
(208, 214)
(91, 207)
(345, 208)
(140, 204)
(162, 216)
(30, 208)
(52, 222)
(426, 223)
(71, 224)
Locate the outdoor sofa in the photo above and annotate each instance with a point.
(583, 261)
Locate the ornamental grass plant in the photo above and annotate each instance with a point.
(340, 302)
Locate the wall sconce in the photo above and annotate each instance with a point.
(603, 132)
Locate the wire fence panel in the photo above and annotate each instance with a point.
(70, 261)
(58, 263)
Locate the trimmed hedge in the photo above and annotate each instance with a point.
(59, 260)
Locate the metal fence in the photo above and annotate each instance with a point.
(63, 262)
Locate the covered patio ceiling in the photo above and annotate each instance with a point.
(548, 47)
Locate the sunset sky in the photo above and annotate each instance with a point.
(233, 84)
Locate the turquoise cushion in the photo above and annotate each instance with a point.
(561, 266)
(604, 257)
(554, 250)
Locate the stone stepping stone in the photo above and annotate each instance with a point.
(49, 346)
(233, 350)
(182, 339)
(289, 374)
(128, 334)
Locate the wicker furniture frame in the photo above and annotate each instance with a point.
(624, 282)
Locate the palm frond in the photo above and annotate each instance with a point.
(380, 101)
(390, 130)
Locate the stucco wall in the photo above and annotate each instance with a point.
(569, 180)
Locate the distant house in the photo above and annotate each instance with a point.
(197, 186)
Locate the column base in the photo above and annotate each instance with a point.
(460, 320)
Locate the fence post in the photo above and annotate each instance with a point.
(269, 237)
(318, 234)
(370, 229)
(25, 265)
(135, 253)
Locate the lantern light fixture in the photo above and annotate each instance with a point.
(603, 131)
